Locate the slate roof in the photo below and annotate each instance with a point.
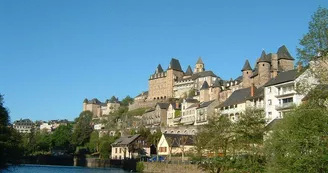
(159, 69)
(199, 61)
(176, 139)
(94, 101)
(145, 93)
(193, 105)
(238, 96)
(258, 93)
(247, 66)
(191, 100)
(174, 106)
(204, 86)
(205, 104)
(175, 65)
(203, 74)
(264, 57)
(125, 140)
(22, 122)
(282, 77)
(283, 53)
(163, 105)
(188, 71)
(217, 83)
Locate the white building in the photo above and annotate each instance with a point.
(280, 93)
(240, 100)
(129, 147)
(174, 144)
(23, 125)
(46, 127)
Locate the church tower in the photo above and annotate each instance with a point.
(200, 67)
(247, 73)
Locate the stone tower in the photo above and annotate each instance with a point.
(285, 60)
(247, 73)
(215, 90)
(174, 72)
(204, 95)
(264, 66)
(200, 67)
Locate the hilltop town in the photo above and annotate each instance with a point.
(177, 100)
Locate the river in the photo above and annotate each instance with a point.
(59, 169)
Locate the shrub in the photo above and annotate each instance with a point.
(140, 167)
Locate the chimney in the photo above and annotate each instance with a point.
(299, 67)
(252, 90)
(177, 105)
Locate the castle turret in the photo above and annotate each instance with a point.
(247, 73)
(264, 66)
(159, 69)
(188, 72)
(200, 67)
(285, 60)
(204, 93)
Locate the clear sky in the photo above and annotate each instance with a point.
(53, 54)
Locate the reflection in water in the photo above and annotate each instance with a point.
(59, 169)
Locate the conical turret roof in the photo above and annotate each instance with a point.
(204, 86)
(247, 66)
(175, 65)
(263, 57)
(199, 61)
(189, 71)
(159, 69)
(283, 53)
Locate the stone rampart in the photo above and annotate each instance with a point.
(142, 104)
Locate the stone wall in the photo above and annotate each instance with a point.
(171, 168)
(142, 104)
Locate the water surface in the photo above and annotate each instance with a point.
(60, 169)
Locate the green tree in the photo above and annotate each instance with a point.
(298, 142)
(113, 99)
(127, 101)
(61, 138)
(94, 142)
(10, 140)
(314, 45)
(105, 146)
(83, 128)
(249, 131)
(216, 138)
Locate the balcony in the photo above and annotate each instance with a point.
(288, 105)
(285, 94)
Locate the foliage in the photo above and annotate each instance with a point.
(94, 142)
(105, 146)
(10, 140)
(83, 128)
(61, 137)
(232, 146)
(177, 113)
(298, 143)
(127, 101)
(113, 99)
(137, 112)
(140, 167)
(192, 93)
(316, 40)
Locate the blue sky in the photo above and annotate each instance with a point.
(53, 54)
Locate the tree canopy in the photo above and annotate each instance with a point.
(10, 139)
(82, 129)
(316, 40)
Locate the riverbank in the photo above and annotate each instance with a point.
(157, 167)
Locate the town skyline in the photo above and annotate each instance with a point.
(52, 66)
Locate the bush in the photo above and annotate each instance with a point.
(140, 167)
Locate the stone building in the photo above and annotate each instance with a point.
(23, 125)
(98, 108)
(161, 82)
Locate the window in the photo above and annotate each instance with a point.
(115, 150)
(269, 89)
(120, 150)
(162, 149)
(269, 114)
(269, 102)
